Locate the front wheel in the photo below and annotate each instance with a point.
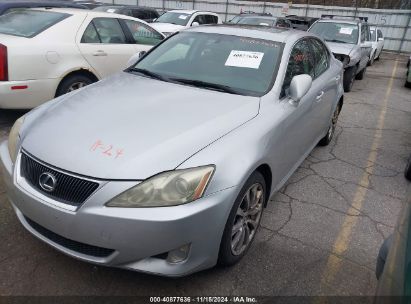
(243, 221)
(325, 141)
(360, 75)
(349, 76)
(72, 83)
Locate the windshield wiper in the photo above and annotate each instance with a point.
(335, 40)
(209, 85)
(148, 73)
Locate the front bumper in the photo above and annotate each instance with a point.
(135, 235)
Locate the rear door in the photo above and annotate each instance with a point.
(325, 83)
(103, 43)
(380, 42)
(143, 36)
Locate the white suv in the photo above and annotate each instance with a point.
(176, 20)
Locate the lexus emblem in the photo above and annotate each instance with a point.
(47, 182)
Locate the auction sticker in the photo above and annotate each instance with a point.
(346, 30)
(243, 59)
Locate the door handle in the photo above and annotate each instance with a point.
(319, 96)
(99, 53)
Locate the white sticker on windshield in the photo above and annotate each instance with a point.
(244, 59)
(111, 10)
(346, 30)
(184, 17)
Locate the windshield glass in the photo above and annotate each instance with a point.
(256, 21)
(244, 66)
(336, 32)
(28, 23)
(174, 18)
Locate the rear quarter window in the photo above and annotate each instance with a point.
(29, 23)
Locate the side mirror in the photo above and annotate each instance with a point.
(299, 86)
(133, 59)
(195, 24)
(381, 39)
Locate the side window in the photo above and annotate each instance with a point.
(321, 57)
(210, 19)
(90, 35)
(109, 30)
(363, 33)
(201, 19)
(143, 34)
(379, 34)
(301, 62)
(282, 23)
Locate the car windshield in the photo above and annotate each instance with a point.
(108, 9)
(174, 18)
(237, 65)
(256, 21)
(28, 23)
(336, 32)
(372, 34)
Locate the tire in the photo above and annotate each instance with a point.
(360, 75)
(349, 76)
(371, 61)
(325, 141)
(407, 172)
(73, 82)
(229, 254)
(382, 256)
(407, 84)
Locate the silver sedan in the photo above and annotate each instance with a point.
(166, 167)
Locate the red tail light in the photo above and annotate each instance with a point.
(4, 73)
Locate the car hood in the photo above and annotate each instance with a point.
(167, 27)
(341, 48)
(132, 127)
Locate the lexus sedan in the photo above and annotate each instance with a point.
(166, 167)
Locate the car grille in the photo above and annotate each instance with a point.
(69, 189)
(70, 244)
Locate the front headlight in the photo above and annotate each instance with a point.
(166, 189)
(14, 138)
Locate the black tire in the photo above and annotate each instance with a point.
(382, 256)
(68, 83)
(325, 141)
(226, 257)
(371, 61)
(360, 75)
(407, 172)
(349, 76)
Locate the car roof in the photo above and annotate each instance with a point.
(136, 7)
(251, 31)
(75, 11)
(260, 17)
(24, 3)
(189, 11)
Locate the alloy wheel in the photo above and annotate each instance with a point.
(247, 219)
(76, 85)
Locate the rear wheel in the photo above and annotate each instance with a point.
(325, 141)
(349, 76)
(72, 83)
(243, 221)
(360, 75)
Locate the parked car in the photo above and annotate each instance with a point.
(393, 263)
(103, 175)
(46, 53)
(408, 75)
(348, 37)
(7, 6)
(247, 14)
(301, 23)
(143, 13)
(377, 44)
(176, 20)
(265, 21)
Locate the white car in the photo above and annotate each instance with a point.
(46, 53)
(377, 40)
(176, 20)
